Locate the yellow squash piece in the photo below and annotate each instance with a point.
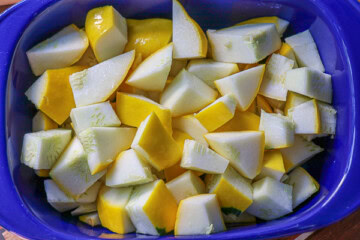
(188, 37)
(242, 121)
(52, 93)
(148, 35)
(91, 219)
(217, 113)
(42, 122)
(263, 104)
(288, 52)
(155, 144)
(107, 32)
(88, 58)
(273, 165)
(233, 191)
(111, 205)
(152, 208)
(133, 109)
(293, 99)
(175, 170)
(42, 173)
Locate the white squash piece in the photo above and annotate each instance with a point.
(304, 185)
(98, 83)
(310, 82)
(186, 185)
(61, 50)
(71, 172)
(90, 195)
(103, 144)
(305, 49)
(152, 73)
(187, 94)
(273, 83)
(272, 199)
(244, 150)
(200, 158)
(299, 153)
(244, 85)
(192, 126)
(57, 198)
(128, 169)
(279, 130)
(328, 118)
(189, 39)
(40, 150)
(306, 117)
(83, 209)
(249, 43)
(199, 215)
(209, 70)
(96, 115)
(91, 219)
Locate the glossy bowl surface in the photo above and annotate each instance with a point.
(334, 25)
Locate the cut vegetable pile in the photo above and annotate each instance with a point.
(155, 126)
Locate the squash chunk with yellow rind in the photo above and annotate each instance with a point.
(217, 113)
(187, 94)
(243, 85)
(279, 130)
(233, 191)
(96, 115)
(112, 212)
(148, 35)
(152, 73)
(103, 144)
(133, 109)
(244, 150)
(242, 121)
(42, 122)
(152, 208)
(175, 170)
(208, 70)
(186, 185)
(199, 215)
(40, 150)
(91, 219)
(189, 39)
(128, 169)
(59, 51)
(306, 117)
(71, 172)
(191, 126)
(45, 94)
(154, 143)
(281, 24)
(107, 32)
(273, 165)
(299, 153)
(304, 185)
(201, 158)
(98, 83)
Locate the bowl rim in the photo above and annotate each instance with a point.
(23, 13)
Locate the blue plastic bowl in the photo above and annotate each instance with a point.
(335, 27)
